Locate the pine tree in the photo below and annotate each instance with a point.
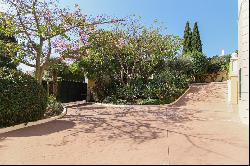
(196, 39)
(187, 47)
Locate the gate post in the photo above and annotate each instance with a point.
(234, 80)
(90, 86)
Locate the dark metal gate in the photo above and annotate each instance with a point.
(69, 91)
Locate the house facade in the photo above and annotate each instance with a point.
(243, 60)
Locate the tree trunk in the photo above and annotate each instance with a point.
(55, 84)
(48, 88)
(39, 75)
(39, 69)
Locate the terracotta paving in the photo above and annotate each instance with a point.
(199, 129)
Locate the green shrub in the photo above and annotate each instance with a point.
(163, 87)
(218, 63)
(200, 66)
(22, 99)
(54, 107)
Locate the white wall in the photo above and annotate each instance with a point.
(243, 45)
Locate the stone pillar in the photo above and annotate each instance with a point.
(234, 89)
(234, 80)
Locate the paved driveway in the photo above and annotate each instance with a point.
(199, 129)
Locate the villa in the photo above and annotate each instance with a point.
(243, 34)
(239, 72)
(124, 95)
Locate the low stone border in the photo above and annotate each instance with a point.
(224, 82)
(113, 105)
(180, 96)
(72, 104)
(24, 125)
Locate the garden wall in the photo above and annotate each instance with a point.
(217, 77)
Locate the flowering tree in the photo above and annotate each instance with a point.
(48, 34)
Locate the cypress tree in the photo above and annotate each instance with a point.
(187, 47)
(196, 39)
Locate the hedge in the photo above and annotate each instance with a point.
(22, 99)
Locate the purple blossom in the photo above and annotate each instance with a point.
(121, 42)
(84, 37)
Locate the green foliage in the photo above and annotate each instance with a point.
(54, 107)
(200, 66)
(22, 99)
(167, 85)
(218, 64)
(48, 33)
(123, 61)
(192, 40)
(187, 45)
(6, 61)
(164, 87)
(65, 71)
(5, 57)
(214, 65)
(141, 54)
(196, 39)
(225, 63)
(181, 67)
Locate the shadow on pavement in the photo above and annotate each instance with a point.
(41, 130)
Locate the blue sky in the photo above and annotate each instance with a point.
(217, 18)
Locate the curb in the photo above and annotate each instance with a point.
(177, 100)
(24, 125)
(224, 82)
(113, 105)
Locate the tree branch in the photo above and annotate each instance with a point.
(25, 30)
(27, 63)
